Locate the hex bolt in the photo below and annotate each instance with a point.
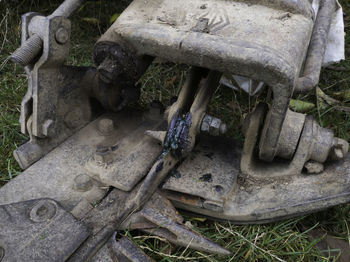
(83, 183)
(105, 126)
(29, 50)
(103, 155)
(62, 36)
(213, 125)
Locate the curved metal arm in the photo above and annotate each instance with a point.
(317, 48)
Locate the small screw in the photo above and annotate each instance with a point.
(62, 35)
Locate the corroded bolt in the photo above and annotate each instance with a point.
(82, 183)
(103, 155)
(62, 35)
(26, 53)
(105, 126)
(213, 125)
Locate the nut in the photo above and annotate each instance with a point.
(212, 125)
(103, 155)
(62, 35)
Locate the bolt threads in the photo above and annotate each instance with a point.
(25, 54)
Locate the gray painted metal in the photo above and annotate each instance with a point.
(39, 230)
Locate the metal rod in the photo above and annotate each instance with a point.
(317, 48)
(188, 91)
(67, 8)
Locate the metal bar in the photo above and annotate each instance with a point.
(317, 48)
(67, 8)
(188, 92)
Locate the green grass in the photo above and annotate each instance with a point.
(287, 240)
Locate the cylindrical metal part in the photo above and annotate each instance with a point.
(291, 131)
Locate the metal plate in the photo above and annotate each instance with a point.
(38, 230)
(209, 172)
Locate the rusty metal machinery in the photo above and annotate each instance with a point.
(88, 174)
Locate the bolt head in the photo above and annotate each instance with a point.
(62, 36)
(82, 183)
(73, 119)
(106, 126)
(42, 211)
(103, 155)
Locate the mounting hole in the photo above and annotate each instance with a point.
(43, 210)
(219, 189)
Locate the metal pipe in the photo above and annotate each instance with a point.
(317, 48)
(67, 8)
